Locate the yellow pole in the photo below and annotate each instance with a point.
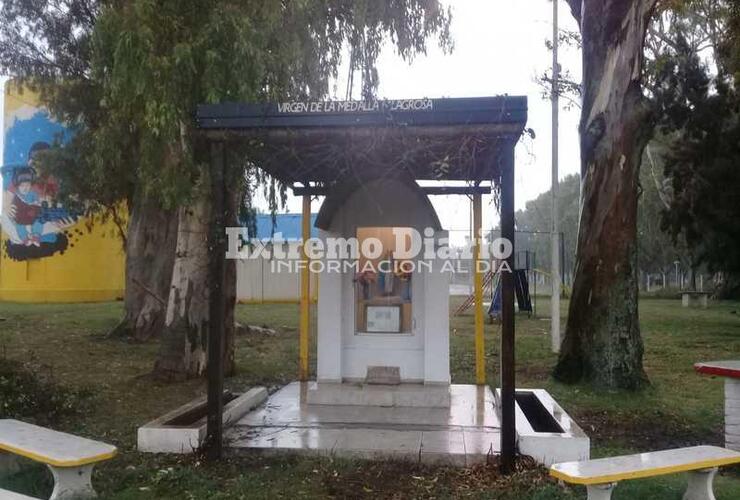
(480, 354)
(305, 290)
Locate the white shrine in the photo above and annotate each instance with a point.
(382, 385)
(379, 327)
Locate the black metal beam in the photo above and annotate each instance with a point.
(508, 358)
(447, 111)
(445, 190)
(216, 303)
(428, 190)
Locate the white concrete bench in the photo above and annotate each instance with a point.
(70, 458)
(600, 476)
(695, 299)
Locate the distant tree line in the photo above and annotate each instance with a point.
(657, 253)
(696, 94)
(689, 206)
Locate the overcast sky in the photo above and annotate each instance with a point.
(499, 49)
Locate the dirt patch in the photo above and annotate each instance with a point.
(399, 480)
(531, 372)
(644, 431)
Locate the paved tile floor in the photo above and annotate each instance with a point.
(464, 434)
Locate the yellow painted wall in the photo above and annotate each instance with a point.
(92, 270)
(92, 266)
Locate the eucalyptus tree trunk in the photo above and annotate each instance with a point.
(602, 343)
(183, 351)
(150, 253)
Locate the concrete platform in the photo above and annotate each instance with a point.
(463, 434)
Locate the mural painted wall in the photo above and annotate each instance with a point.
(48, 254)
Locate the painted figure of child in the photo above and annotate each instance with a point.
(26, 207)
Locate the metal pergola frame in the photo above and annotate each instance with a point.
(313, 145)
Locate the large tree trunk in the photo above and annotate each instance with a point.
(183, 351)
(150, 253)
(602, 343)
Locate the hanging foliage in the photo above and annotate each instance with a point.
(156, 61)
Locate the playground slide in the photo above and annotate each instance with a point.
(521, 288)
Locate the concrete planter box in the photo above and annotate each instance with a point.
(184, 429)
(545, 431)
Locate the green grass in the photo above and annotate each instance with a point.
(69, 343)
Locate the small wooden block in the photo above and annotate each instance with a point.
(383, 375)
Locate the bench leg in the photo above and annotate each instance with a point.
(600, 491)
(72, 482)
(9, 464)
(700, 485)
